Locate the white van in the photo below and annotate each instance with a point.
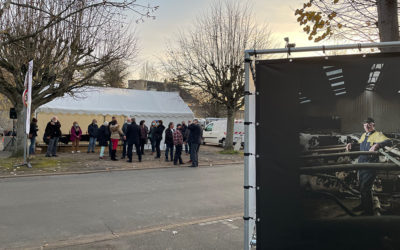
(215, 132)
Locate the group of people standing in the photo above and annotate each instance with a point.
(110, 133)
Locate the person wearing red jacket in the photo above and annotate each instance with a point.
(76, 134)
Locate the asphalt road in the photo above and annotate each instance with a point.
(145, 209)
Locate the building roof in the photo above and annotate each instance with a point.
(118, 101)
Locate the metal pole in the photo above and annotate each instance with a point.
(349, 167)
(246, 161)
(25, 138)
(353, 153)
(327, 47)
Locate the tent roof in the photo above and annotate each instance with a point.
(116, 101)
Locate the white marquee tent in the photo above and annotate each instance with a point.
(102, 103)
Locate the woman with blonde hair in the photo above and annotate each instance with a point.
(116, 134)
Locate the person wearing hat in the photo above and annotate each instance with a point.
(371, 140)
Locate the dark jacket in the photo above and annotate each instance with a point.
(186, 135)
(169, 137)
(183, 131)
(93, 130)
(133, 134)
(195, 135)
(33, 129)
(103, 135)
(151, 133)
(158, 132)
(144, 131)
(125, 127)
(53, 130)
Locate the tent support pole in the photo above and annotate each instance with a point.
(325, 48)
(247, 232)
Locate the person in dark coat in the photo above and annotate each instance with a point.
(52, 134)
(32, 135)
(195, 138)
(103, 136)
(125, 144)
(169, 141)
(158, 136)
(93, 130)
(143, 136)
(153, 128)
(187, 141)
(183, 130)
(133, 135)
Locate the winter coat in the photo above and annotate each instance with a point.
(169, 138)
(143, 132)
(186, 135)
(183, 131)
(125, 127)
(33, 129)
(74, 134)
(103, 136)
(93, 130)
(116, 131)
(151, 133)
(196, 133)
(178, 137)
(53, 130)
(158, 132)
(133, 134)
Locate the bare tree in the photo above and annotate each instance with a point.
(68, 9)
(67, 54)
(149, 72)
(210, 55)
(355, 20)
(114, 75)
(207, 106)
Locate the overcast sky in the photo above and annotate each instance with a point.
(173, 15)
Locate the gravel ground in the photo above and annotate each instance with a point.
(83, 162)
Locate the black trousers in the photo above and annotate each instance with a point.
(109, 147)
(124, 146)
(367, 178)
(142, 143)
(178, 153)
(158, 141)
(130, 148)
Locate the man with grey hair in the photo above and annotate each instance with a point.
(52, 134)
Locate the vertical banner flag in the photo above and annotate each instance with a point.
(27, 96)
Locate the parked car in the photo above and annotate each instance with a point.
(215, 132)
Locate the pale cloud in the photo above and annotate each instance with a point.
(174, 15)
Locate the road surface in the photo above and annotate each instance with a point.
(180, 208)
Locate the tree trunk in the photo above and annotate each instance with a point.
(229, 128)
(20, 130)
(388, 23)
